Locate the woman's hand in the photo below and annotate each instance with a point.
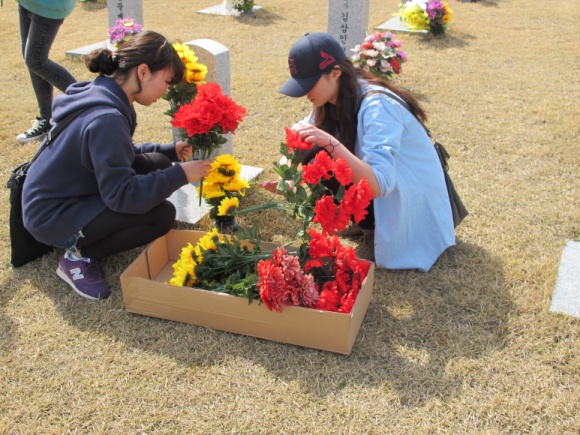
(183, 150)
(311, 134)
(195, 170)
(270, 186)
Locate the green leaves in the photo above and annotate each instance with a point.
(232, 268)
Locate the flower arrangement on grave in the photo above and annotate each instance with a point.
(430, 15)
(243, 5)
(380, 55)
(194, 75)
(206, 120)
(321, 273)
(123, 30)
(222, 189)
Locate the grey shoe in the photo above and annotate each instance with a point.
(366, 246)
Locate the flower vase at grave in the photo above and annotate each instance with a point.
(436, 29)
(226, 224)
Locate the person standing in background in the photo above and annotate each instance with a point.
(39, 24)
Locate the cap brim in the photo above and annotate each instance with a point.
(299, 87)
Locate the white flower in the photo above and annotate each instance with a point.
(356, 49)
(355, 57)
(371, 53)
(379, 46)
(371, 62)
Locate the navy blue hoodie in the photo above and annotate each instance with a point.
(87, 168)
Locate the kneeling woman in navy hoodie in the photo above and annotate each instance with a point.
(94, 192)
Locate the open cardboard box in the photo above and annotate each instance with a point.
(145, 292)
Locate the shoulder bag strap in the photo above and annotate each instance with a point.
(441, 151)
(55, 131)
(402, 102)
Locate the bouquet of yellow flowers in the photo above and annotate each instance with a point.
(194, 75)
(222, 189)
(430, 15)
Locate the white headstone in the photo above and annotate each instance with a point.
(348, 22)
(116, 10)
(119, 9)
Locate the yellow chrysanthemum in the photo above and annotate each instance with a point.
(206, 242)
(226, 160)
(215, 177)
(211, 190)
(237, 185)
(184, 268)
(228, 206)
(448, 13)
(414, 17)
(195, 72)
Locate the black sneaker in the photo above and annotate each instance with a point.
(40, 127)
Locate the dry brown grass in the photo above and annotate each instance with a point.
(468, 348)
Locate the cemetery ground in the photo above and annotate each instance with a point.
(469, 347)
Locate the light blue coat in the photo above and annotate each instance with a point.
(413, 220)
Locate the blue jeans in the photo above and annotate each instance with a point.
(37, 35)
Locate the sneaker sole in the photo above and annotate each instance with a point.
(66, 279)
(26, 140)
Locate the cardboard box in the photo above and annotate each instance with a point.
(145, 292)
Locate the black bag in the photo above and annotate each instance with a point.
(458, 210)
(24, 247)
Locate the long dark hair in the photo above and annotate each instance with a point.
(341, 117)
(147, 47)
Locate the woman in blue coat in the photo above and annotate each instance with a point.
(410, 222)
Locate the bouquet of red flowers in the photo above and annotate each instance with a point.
(321, 273)
(207, 119)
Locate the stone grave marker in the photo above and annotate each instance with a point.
(566, 297)
(119, 9)
(348, 22)
(217, 59)
(116, 10)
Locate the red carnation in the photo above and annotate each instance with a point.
(342, 172)
(395, 64)
(294, 142)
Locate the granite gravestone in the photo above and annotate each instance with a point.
(348, 22)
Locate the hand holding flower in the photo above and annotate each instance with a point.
(195, 170)
(183, 150)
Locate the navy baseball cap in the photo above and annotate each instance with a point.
(310, 56)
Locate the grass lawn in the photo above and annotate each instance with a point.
(469, 347)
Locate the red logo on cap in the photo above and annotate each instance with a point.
(327, 60)
(292, 66)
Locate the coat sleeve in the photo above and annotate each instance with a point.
(379, 132)
(108, 151)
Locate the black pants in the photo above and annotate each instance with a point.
(112, 232)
